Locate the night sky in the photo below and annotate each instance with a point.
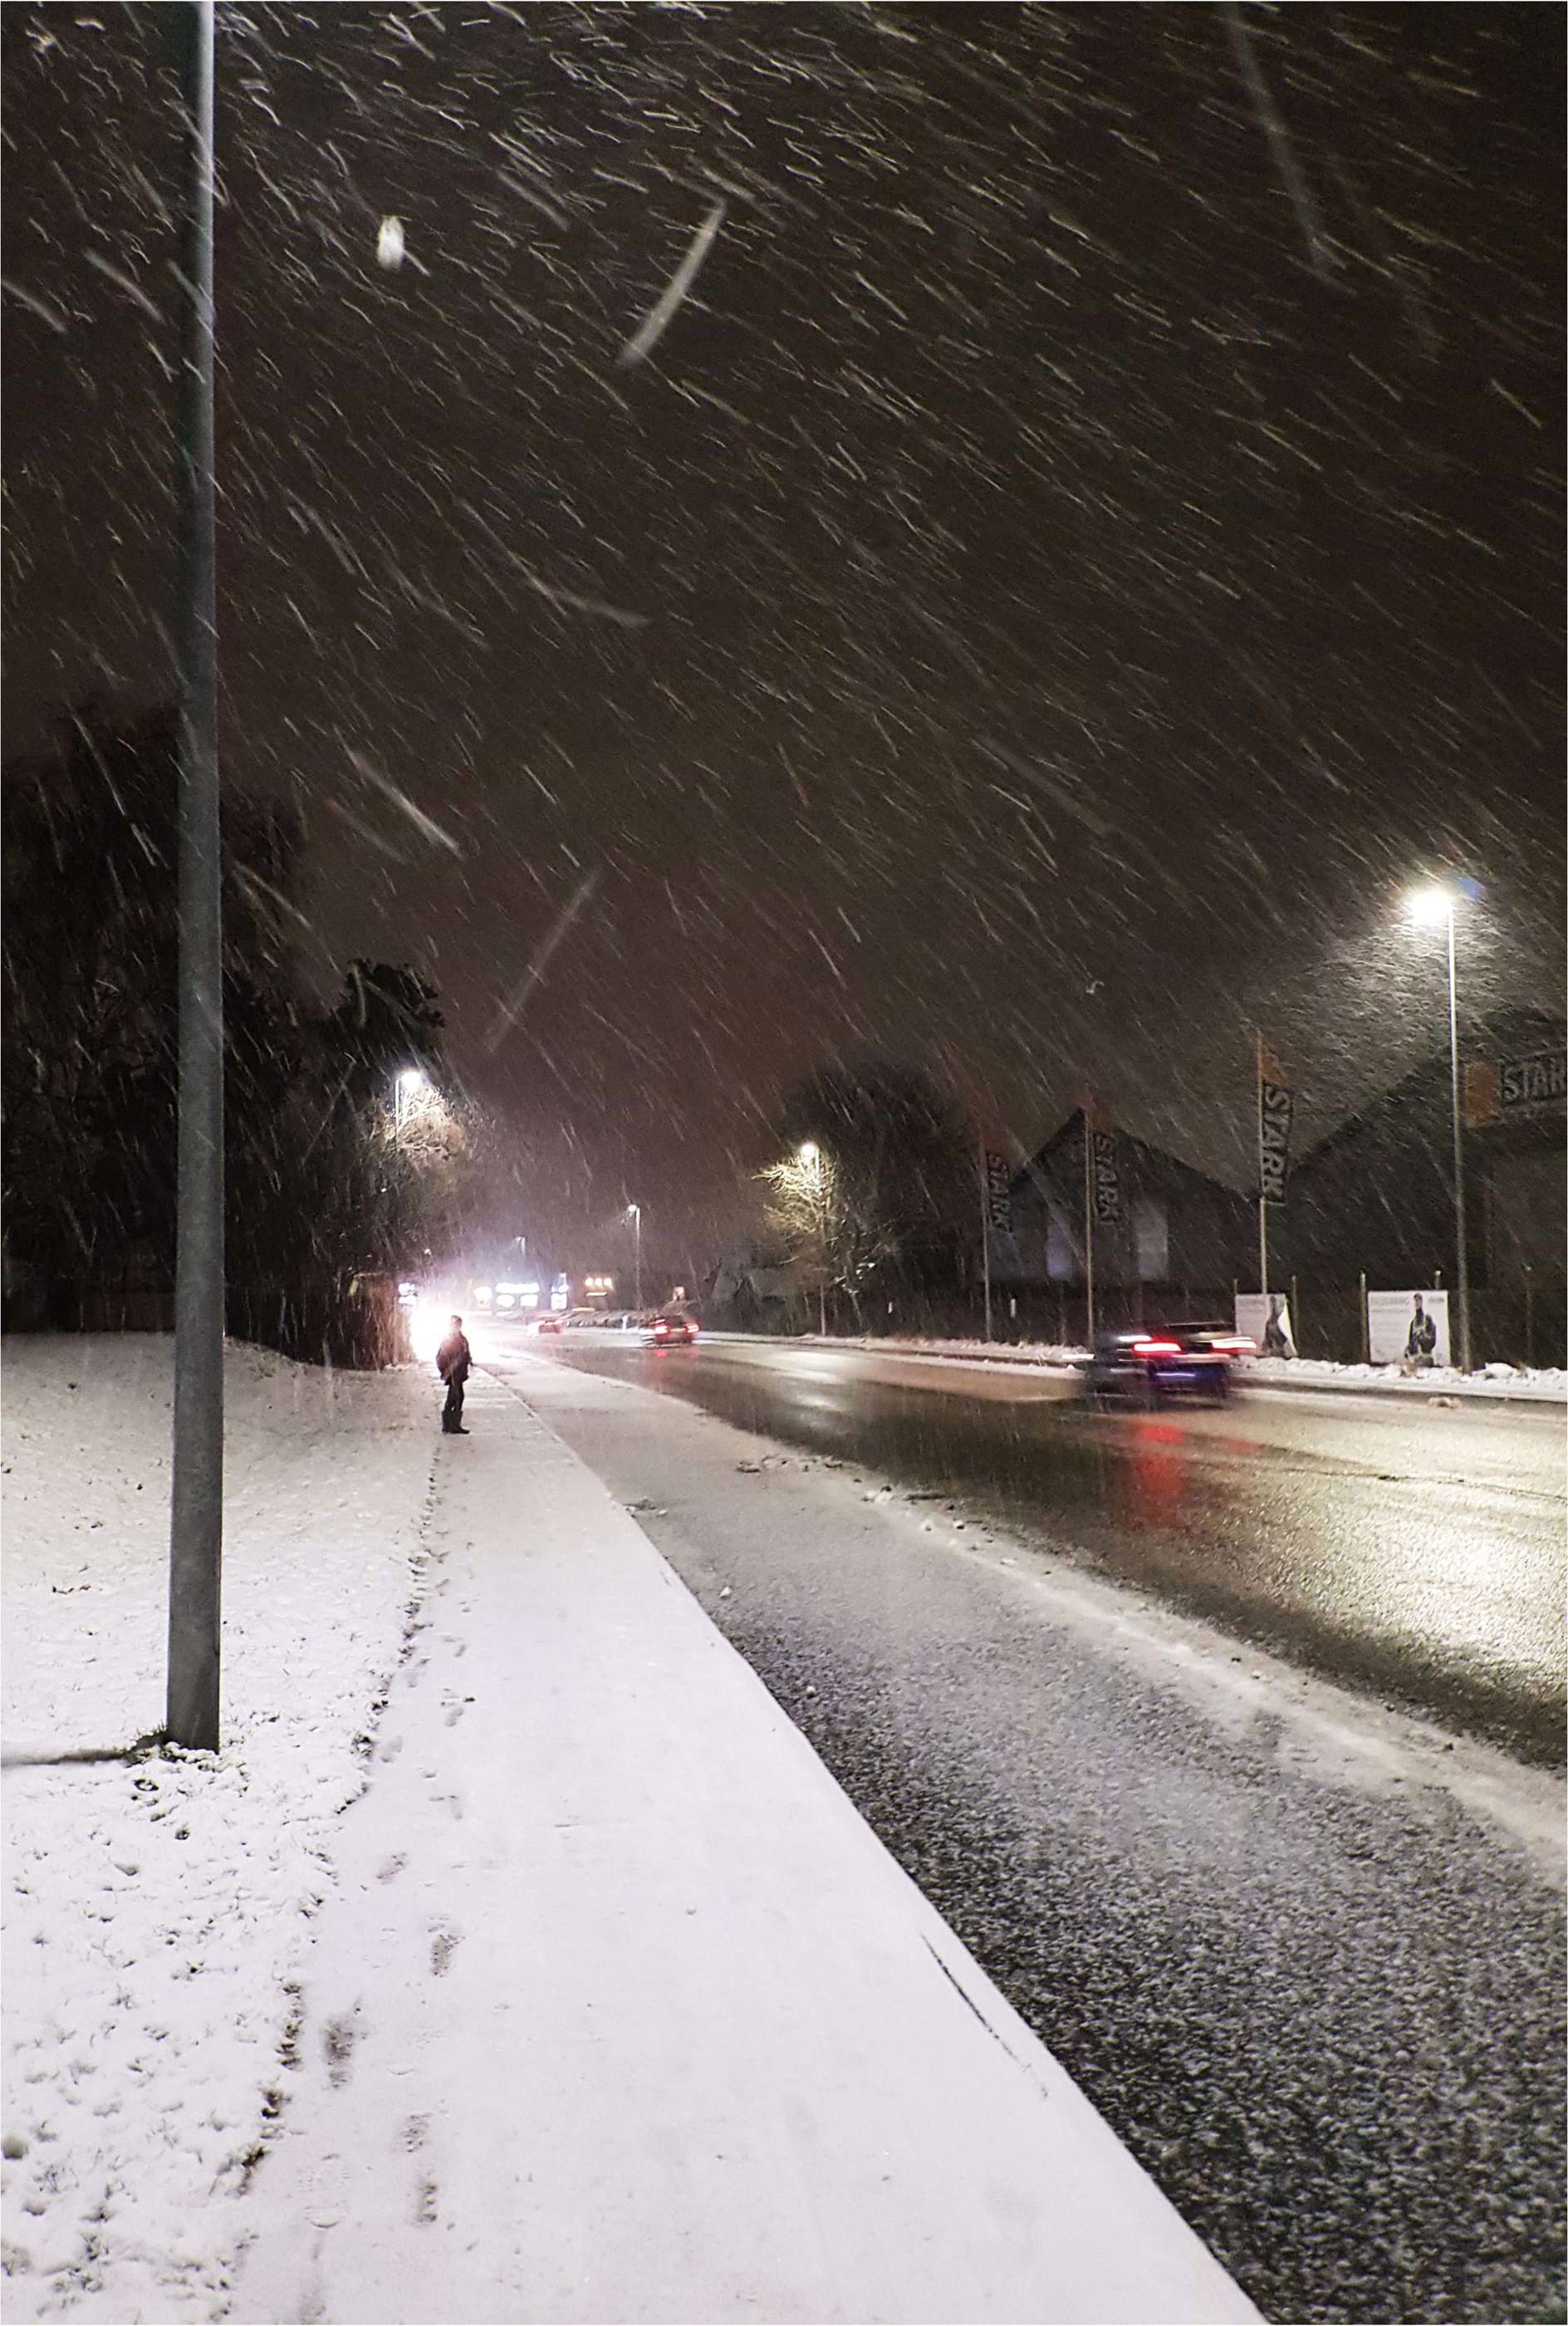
(1089, 536)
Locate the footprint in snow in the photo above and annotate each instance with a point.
(338, 2038)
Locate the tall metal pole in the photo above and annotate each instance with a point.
(1464, 1272)
(823, 1239)
(986, 1231)
(1262, 1199)
(1088, 1221)
(637, 1230)
(195, 1523)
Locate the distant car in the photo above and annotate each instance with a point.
(670, 1332)
(547, 1324)
(1165, 1361)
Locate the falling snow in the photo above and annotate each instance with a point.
(1031, 523)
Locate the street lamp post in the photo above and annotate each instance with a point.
(1430, 906)
(196, 1513)
(410, 1080)
(635, 1213)
(810, 1154)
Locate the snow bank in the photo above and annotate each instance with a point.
(1540, 1381)
(157, 1909)
(1028, 1353)
(1544, 1382)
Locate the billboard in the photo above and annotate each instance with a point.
(1503, 1087)
(1537, 1081)
(1264, 1319)
(1413, 1325)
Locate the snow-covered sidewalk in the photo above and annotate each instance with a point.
(622, 2013)
(157, 1910)
(1545, 1384)
(613, 2009)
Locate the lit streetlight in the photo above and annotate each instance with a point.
(1432, 908)
(407, 1084)
(635, 1213)
(811, 1155)
(410, 1080)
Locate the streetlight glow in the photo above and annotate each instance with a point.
(1429, 907)
(808, 1151)
(412, 1078)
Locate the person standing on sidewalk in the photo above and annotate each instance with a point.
(454, 1361)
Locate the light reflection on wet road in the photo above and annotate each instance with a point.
(1414, 1550)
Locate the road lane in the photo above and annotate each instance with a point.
(1305, 1954)
(1414, 1552)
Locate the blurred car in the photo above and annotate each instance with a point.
(670, 1332)
(1165, 1361)
(547, 1324)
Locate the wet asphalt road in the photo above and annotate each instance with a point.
(1306, 1957)
(1414, 1551)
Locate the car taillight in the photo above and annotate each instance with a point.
(1157, 1348)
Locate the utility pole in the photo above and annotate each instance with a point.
(1262, 1199)
(1462, 1238)
(196, 1518)
(1088, 1220)
(986, 1229)
(1429, 907)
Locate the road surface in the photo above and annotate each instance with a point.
(1305, 1955)
(1413, 1551)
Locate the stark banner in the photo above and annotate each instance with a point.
(1275, 1107)
(999, 1193)
(1408, 1328)
(1107, 1178)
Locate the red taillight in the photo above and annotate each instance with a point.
(1157, 1348)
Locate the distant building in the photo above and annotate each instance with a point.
(1167, 1238)
(1375, 1195)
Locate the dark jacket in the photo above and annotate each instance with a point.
(454, 1358)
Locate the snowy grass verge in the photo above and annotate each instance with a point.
(157, 1909)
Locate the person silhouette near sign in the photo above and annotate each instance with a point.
(1420, 1343)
